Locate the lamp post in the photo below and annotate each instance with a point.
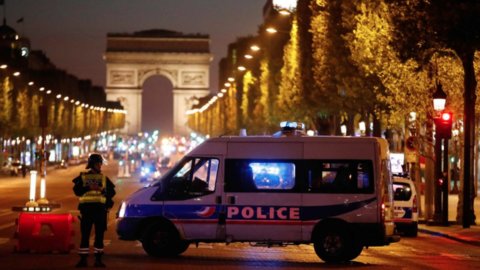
(285, 6)
(43, 113)
(441, 175)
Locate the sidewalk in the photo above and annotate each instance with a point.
(455, 231)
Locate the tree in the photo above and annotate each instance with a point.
(438, 25)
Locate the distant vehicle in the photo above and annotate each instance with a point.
(63, 164)
(149, 173)
(405, 203)
(334, 192)
(12, 169)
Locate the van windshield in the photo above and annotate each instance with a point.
(193, 176)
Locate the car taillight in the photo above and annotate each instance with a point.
(414, 208)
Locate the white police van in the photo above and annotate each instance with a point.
(334, 192)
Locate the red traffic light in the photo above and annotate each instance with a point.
(443, 125)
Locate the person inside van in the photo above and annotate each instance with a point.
(199, 183)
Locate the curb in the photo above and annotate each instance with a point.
(451, 237)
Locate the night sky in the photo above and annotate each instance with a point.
(72, 33)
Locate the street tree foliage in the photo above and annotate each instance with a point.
(370, 60)
(439, 26)
(290, 97)
(19, 116)
(262, 106)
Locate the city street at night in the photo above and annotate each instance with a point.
(227, 134)
(426, 251)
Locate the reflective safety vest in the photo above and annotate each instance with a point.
(93, 196)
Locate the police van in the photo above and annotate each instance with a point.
(334, 192)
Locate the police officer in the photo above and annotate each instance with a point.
(95, 192)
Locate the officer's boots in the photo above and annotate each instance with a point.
(98, 260)
(83, 261)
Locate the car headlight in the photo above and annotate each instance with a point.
(123, 209)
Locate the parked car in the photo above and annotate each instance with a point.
(405, 201)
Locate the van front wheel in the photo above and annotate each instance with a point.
(332, 245)
(160, 240)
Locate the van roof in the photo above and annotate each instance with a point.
(219, 144)
(294, 139)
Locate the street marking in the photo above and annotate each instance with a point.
(4, 241)
(106, 242)
(8, 225)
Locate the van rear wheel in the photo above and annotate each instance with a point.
(161, 240)
(333, 245)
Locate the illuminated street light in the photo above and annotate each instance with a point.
(285, 5)
(255, 48)
(271, 30)
(241, 68)
(248, 56)
(343, 129)
(362, 127)
(439, 98)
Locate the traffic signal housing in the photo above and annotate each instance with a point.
(443, 125)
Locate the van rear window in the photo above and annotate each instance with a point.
(340, 176)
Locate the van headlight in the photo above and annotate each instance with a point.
(123, 208)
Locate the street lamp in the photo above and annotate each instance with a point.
(285, 6)
(439, 98)
(362, 127)
(441, 175)
(271, 30)
(343, 129)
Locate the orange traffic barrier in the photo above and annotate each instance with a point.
(44, 232)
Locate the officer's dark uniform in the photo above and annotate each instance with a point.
(93, 205)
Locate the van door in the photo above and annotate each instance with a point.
(193, 200)
(261, 202)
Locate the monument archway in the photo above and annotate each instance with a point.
(133, 58)
(157, 105)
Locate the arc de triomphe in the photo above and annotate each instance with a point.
(132, 58)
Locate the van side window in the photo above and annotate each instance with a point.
(204, 175)
(195, 177)
(351, 176)
(259, 176)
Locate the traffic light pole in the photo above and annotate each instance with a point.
(445, 184)
(437, 215)
(443, 131)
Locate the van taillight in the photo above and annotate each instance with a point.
(415, 208)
